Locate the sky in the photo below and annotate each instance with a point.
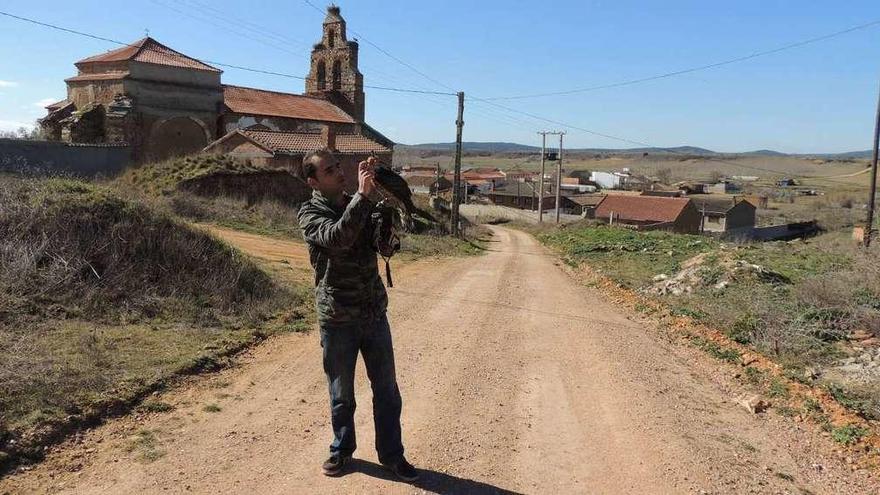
(817, 98)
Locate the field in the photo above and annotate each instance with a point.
(809, 305)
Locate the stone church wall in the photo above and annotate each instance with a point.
(53, 157)
(82, 93)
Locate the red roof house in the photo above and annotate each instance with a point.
(650, 212)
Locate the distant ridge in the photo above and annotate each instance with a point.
(504, 147)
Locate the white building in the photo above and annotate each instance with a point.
(609, 180)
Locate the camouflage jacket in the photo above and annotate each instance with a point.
(347, 283)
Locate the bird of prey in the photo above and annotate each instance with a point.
(394, 189)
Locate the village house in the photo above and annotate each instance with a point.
(688, 188)
(609, 180)
(522, 195)
(724, 187)
(519, 175)
(650, 213)
(419, 170)
(163, 103)
(427, 184)
(581, 204)
(728, 215)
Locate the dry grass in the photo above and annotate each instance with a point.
(680, 167)
(72, 249)
(828, 290)
(102, 299)
(162, 178)
(269, 218)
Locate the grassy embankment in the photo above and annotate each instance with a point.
(800, 309)
(104, 299)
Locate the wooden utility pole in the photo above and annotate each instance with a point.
(456, 182)
(559, 176)
(541, 182)
(541, 179)
(437, 191)
(869, 228)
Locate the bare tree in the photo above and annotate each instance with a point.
(664, 175)
(716, 176)
(23, 133)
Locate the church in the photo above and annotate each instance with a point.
(162, 103)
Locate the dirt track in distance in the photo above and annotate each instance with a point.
(514, 379)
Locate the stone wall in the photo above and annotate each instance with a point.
(52, 157)
(83, 93)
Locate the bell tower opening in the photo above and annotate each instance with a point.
(337, 75)
(322, 75)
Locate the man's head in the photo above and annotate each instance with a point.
(323, 173)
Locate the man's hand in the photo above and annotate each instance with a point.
(365, 177)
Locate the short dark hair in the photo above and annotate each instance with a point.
(310, 162)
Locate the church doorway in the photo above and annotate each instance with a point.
(176, 136)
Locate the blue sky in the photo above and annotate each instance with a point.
(817, 98)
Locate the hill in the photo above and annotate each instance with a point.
(491, 147)
(505, 147)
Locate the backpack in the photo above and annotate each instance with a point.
(386, 242)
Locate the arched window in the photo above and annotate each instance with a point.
(322, 75)
(331, 38)
(337, 75)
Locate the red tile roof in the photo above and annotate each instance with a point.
(150, 51)
(272, 103)
(106, 76)
(642, 208)
(303, 142)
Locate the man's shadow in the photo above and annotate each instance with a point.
(431, 481)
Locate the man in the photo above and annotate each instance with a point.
(351, 303)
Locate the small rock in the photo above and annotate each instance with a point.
(810, 374)
(754, 404)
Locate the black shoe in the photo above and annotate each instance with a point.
(404, 470)
(334, 465)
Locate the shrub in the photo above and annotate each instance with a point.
(71, 248)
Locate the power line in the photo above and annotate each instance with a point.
(647, 145)
(201, 18)
(239, 21)
(698, 68)
(211, 62)
(260, 30)
(386, 53)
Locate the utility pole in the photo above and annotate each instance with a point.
(869, 228)
(541, 180)
(456, 182)
(559, 175)
(437, 191)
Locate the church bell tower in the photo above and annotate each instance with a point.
(334, 73)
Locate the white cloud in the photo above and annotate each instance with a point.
(45, 101)
(12, 125)
(7, 84)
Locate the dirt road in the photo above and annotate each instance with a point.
(514, 378)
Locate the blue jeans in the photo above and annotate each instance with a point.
(341, 343)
